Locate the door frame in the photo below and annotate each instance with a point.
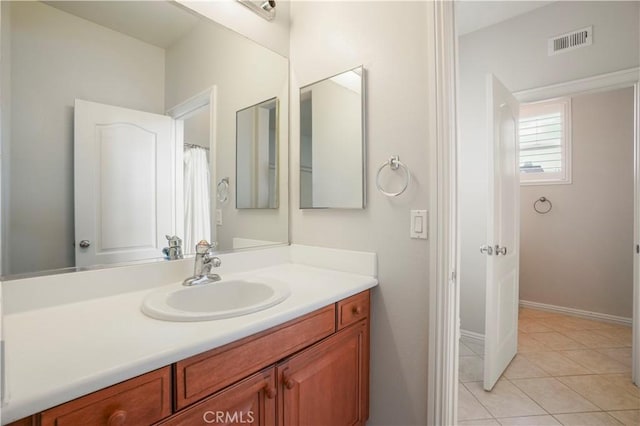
(444, 299)
(179, 113)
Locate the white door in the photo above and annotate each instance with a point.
(124, 183)
(503, 229)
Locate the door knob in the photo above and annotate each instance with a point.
(501, 250)
(85, 244)
(486, 249)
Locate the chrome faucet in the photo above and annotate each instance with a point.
(203, 264)
(174, 251)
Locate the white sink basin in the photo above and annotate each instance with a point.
(222, 299)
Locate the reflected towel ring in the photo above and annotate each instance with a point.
(542, 200)
(223, 190)
(394, 163)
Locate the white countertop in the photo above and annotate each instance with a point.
(58, 353)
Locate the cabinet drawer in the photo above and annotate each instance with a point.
(353, 309)
(252, 401)
(204, 374)
(143, 400)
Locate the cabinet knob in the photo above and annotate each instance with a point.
(117, 418)
(270, 391)
(356, 310)
(289, 383)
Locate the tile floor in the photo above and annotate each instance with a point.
(568, 371)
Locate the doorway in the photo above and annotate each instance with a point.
(578, 319)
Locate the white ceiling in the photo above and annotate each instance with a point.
(474, 15)
(159, 23)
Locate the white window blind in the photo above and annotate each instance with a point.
(545, 142)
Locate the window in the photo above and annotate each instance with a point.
(545, 142)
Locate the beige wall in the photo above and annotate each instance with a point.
(391, 39)
(516, 52)
(580, 255)
(47, 74)
(248, 74)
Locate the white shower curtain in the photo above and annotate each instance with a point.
(197, 218)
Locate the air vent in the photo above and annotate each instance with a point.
(570, 41)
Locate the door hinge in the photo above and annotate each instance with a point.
(453, 276)
(637, 248)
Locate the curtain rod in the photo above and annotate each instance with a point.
(192, 145)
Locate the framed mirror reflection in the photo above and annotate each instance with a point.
(332, 142)
(257, 156)
(118, 121)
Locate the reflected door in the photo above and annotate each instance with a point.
(124, 191)
(503, 229)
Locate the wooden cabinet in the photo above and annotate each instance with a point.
(313, 370)
(204, 374)
(142, 400)
(327, 384)
(250, 402)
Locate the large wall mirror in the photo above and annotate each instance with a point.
(118, 129)
(332, 142)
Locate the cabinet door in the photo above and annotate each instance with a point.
(250, 402)
(327, 384)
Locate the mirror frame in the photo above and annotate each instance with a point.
(363, 128)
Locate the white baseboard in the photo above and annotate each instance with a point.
(577, 313)
(472, 337)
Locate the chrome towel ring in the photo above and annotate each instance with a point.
(394, 163)
(541, 209)
(223, 190)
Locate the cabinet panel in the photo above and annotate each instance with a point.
(204, 374)
(327, 384)
(353, 309)
(250, 402)
(142, 400)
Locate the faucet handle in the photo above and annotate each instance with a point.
(204, 247)
(174, 241)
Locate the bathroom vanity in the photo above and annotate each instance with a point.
(303, 361)
(310, 370)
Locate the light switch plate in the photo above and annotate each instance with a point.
(418, 228)
(219, 217)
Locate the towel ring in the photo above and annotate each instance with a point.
(223, 190)
(394, 163)
(542, 200)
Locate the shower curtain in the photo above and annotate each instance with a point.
(197, 219)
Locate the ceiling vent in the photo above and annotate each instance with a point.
(570, 41)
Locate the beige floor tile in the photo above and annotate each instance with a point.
(556, 341)
(555, 364)
(623, 381)
(468, 406)
(594, 339)
(532, 325)
(505, 400)
(597, 362)
(574, 323)
(587, 419)
(622, 335)
(622, 355)
(470, 368)
(535, 313)
(602, 392)
(529, 421)
(554, 396)
(486, 422)
(526, 344)
(522, 368)
(628, 417)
